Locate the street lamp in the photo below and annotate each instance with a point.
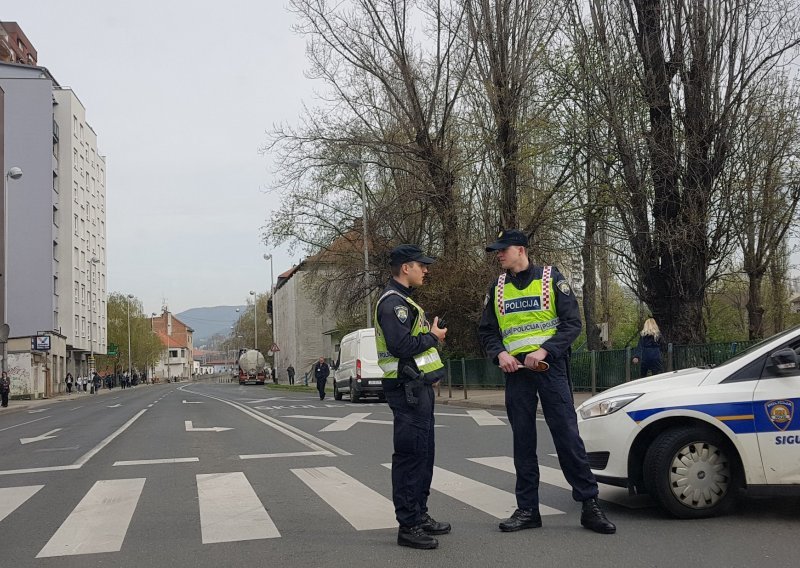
(92, 263)
(130, 297)
(255, 316)
(152, 330)
(359, 165)
(272, 297)
(14, 173)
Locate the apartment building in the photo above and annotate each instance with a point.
(81, 287)
(56, 223)
(15, 46)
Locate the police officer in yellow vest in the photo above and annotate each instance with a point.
(406, 344)
(530, 319)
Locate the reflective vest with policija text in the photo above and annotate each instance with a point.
(527, 318)
(427, 361)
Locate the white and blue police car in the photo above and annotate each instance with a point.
(694, 439)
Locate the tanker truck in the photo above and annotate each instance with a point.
(252, 367)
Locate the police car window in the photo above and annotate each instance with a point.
(769, 369)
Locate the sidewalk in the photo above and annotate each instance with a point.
(490, 399)
(15, 406)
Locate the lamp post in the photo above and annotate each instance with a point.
(92, 263)
(272, 296)
(359, 165)
(13, 173)
(152, 330)
(255, 316)
(130, 297)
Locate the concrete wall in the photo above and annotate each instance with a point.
(29, 145)
(299, 327)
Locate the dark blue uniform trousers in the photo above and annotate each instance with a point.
(414, 448)
(523, 391)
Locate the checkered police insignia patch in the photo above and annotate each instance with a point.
(563, 285)
(402, 313)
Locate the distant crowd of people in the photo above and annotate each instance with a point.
(93, 383)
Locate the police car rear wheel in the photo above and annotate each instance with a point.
(692, 472)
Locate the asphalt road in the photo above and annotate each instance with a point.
(209, 475)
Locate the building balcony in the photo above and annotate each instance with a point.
(55, 166)
(55, 132)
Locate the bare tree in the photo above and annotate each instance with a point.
(765, 184)
(673, 76)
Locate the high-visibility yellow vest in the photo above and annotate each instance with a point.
(528, 317)
(427, 361)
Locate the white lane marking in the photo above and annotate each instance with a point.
(154, 462)
(91, 453)
(24, 423)
(311, 442)
(81, 460)
(189, 428)
(76, 408)
(115, 406)
(13, 497)
(99, 522)
(37, 411)
(45, 436)
(39, 469)
(192, 402)
(481, 417)
(286, 455)
(360, 506)
(496, 502)
(230, 510)
(149, 406)
(340, 424)
(553, 476)
(70, 448)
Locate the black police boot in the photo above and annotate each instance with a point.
(416, 537)
(433, 527)
(593, 518)
(522, 519)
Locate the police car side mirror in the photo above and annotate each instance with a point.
(784, 361)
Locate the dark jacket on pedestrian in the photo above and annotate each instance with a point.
(321, 371)
(649, 349)
(5, 384)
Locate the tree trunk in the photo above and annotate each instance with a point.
(590, 281)
(755, 307)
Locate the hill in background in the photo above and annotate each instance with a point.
(208, 322)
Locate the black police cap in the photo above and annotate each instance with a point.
(508, 238)
(408, 253)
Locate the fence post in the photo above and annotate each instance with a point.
(449, 381)
(464, 377)
(669, 357)
(593, 355)
(628, 364)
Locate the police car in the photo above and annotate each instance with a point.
(693, 439)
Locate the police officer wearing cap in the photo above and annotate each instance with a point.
(407, 354)
(530, 319)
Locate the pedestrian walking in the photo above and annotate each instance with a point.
(68, 381)
(290, 372)
(407, 353)
(321, 372)
(5, 389)
(530, 319)
(648, 351)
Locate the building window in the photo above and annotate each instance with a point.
(77, 293)
(77, 326)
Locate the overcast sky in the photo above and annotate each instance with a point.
(181, 94)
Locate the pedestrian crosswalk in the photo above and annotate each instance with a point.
(230, 509)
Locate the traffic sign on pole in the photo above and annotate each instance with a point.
(274, 348)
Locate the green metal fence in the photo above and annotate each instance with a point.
(594, 371)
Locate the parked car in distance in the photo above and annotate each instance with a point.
(356, 371)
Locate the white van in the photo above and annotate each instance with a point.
(356, 371)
